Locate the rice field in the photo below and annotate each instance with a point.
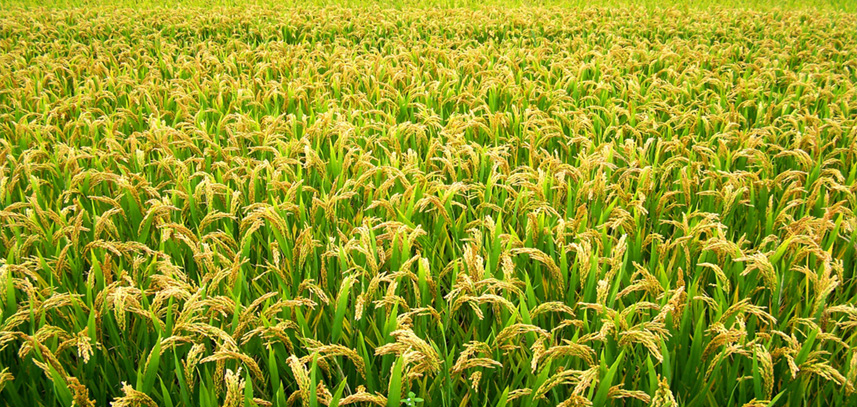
(327, 205)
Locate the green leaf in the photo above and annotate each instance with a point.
(152, 364)
(807, 347)
(504, 398)
(337, 395)
(341, 307)
(607, 382)
(313, 384)
(168, 401)
(60, 387)
(394, 390)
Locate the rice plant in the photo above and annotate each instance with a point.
(427, 206)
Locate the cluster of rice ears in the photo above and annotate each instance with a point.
(482, 207)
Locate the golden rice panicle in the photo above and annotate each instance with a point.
(301, 378)
(191, 361)
(467, 203)
(234, 388)
(663, 395)
(617, 392)
(80, 394)
(562, 377)
(133, 398)
(327, 351)
(5, 377)
(361, 396)
(474, 380)
(417, 351)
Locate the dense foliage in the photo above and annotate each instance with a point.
(471, 207)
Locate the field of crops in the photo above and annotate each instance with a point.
(330, 206)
